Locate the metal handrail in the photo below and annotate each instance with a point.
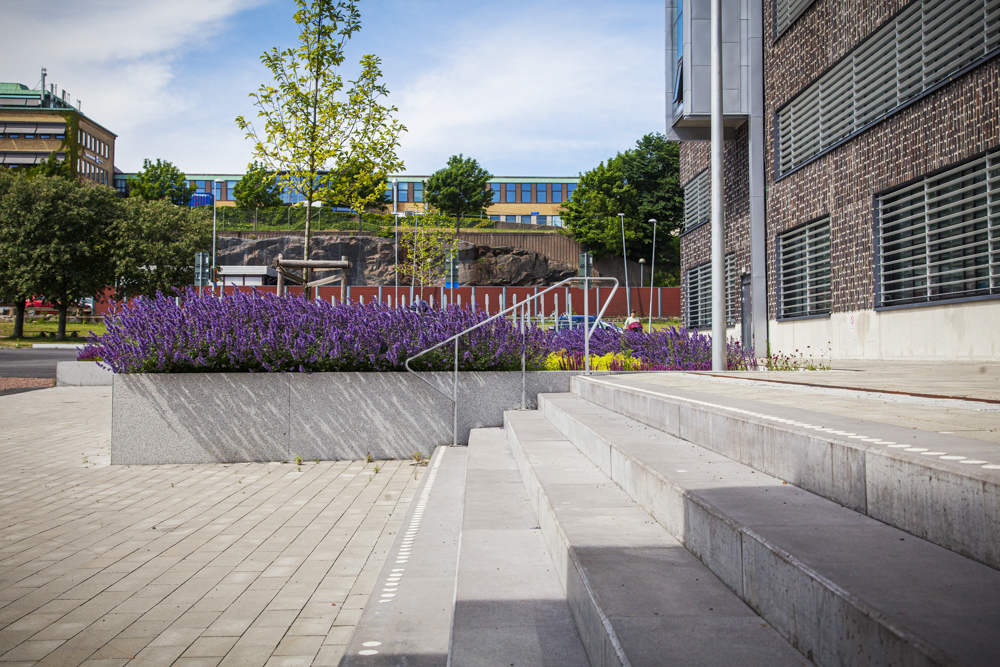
(586, 343)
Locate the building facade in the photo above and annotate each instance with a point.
(874, 130)
(37, 123)
(525, 200)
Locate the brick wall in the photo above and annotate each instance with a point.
(956, 122)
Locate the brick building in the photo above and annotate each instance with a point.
(37, 123)
(874, 130)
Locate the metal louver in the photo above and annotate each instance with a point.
(804, 270)
(787, 11)
(925, 45)
(699, 295)
(698, 199)
(939, 238)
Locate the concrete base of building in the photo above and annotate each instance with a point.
(241, 417)
(968, 331)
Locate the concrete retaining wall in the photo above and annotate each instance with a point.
(237, 417)
(82, 374)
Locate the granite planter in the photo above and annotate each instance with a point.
(239, 417)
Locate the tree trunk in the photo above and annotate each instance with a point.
(458, 223)
(305, 254)
(255, 218)
(61, 330)
(18, 319)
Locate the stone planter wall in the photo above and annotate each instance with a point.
(239, 417)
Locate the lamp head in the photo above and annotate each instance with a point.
(653, 220)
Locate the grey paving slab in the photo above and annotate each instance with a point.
(845, 588)
(637, 595)
(407, 618)
(171, 563)
(509, 605)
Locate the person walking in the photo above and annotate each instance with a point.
(633, 323)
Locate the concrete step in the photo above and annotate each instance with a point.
(509, 606)
(844, 588)
(940, 487)
(637, 596)
(407, 620)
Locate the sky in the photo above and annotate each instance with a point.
(547, 88)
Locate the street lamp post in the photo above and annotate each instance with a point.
(395, 265)
(652, 275)
(642, 265)
(628, 292)
(216, 185)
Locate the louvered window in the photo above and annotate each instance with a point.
(698, 199)
(787, 11)
(699, 295)
(939, 239)
(804, 270)
(926, 44)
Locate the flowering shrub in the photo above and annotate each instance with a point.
(256, 332)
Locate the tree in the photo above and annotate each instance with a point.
(63, 235)
(154, 246)
(459, 188)
(425, 250)
(258, 188)
(313, 126)
(161, 180)
(13, 253)
(643, 183)
(53, 166)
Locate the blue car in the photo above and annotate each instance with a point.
(565, 322)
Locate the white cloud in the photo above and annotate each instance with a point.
(532, 98)
(121, 60)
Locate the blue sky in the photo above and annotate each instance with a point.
(527, 88)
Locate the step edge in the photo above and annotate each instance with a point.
(926, 648)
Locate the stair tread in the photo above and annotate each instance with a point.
(947, 599)
(414, 627)
(659, 599)
(509, 605)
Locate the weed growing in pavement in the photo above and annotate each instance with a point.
(420, 459)
(298, 460)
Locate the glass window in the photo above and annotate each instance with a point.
(557, 193)
(495, 189)
(29, 136)
(525, 219)
(60, 136)
(557, 221)
(540, 193)
(525, 193)
(511, 189)
(44, 136)
(418, 191)
(231, 190)
(404, 192)
(543, 219)
(570, 189)
(13, 136)
(495, 218)
(388, 192)
(510, 218)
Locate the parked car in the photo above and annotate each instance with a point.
(565, 322)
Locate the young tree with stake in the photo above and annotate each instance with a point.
(316, 129)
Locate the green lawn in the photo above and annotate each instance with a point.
(33, 330)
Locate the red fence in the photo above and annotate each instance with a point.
(666, 301)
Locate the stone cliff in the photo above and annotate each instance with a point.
(373, 259)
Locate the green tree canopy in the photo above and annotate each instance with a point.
(258, 188)
(161, 180)
(14, 289)
(154, 246)
(459, 189)
(64, 236)
(315, 126)
(53, 166)
(643, 183)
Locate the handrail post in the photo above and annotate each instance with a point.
(586, 323)
(454, 398)
(524, 345)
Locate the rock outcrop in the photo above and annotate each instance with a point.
(373, 259)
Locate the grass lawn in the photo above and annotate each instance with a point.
(33, 329)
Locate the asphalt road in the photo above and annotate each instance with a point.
(27, 363)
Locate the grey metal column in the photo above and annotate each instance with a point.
(758, 157)
(718, 201)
